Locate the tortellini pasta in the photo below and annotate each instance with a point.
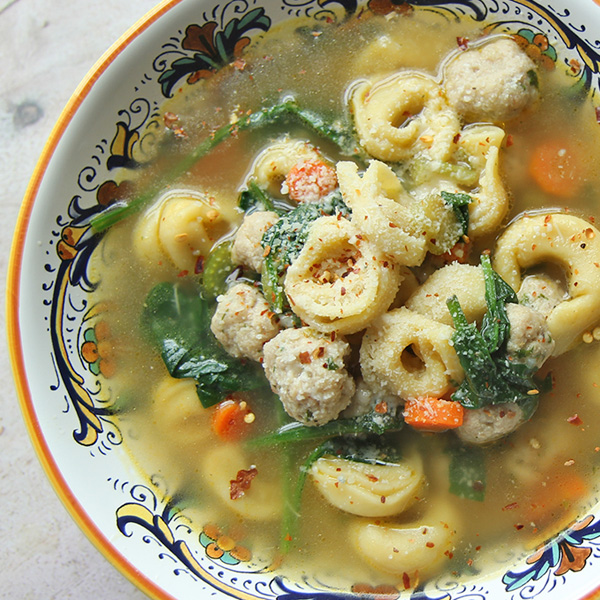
(464, 281)
(416, 548)
(571, 243)
(179, 229)
(259, 502)
(384, 211)
(178, 413)
(490, 201)
(407, 354)
(340, 281)
(402, 115)
(366, 489)
(275, 161)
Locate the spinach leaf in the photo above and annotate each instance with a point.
(287, 111)
(467, 472)
(371, 423)
(176, 320)
(254, 198)
(495, 327)
(284, 241)
(490, 377)
(460, 204)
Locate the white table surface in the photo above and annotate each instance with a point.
(46, 48)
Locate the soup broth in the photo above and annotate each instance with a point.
(525, 487)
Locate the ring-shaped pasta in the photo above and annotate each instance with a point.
(409, 355)
(340, 281)
(466, 282)
(219, 465)
(180, 228)
(402, 115)
(414, 549)
(571, 243)
(272, 165)
(366, 489)
(383, 211)
(490, 201)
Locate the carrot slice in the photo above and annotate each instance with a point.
(433, 414)
(231, 419)
(558, 168)
(310, 181)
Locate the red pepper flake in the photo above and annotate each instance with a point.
(456, 138)
(304, 358)
(430, 544)
(382, 499)
(575, 420)
(449, 554)
(371, 477)
(241, 484)
(406, 581)
(381, 408)
(470, 562)
(183, 273)
(199, 266)
(509, 140)
(511, 506)
(343, 291)
(519, 526)
(462, 42)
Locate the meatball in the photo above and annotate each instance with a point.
(529, 342)
(247, 249)
(541, 293)
(488, 424)
(493, 82)
(306, 370)
(243, 322)
(365, 400)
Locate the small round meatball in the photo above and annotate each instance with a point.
(365, 400)
(306, 370)
(541, 293)
(493, 82)
(529, 341)
(247, 249)
(488, 424)
(243, 322)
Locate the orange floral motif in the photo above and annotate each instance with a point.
(537, 47)
(97, 350)
(223, 547)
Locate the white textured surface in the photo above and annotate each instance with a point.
(46, 48)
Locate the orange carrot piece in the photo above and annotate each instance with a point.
(558, 168)
(231, 419)
(310, 181)
(433, 414)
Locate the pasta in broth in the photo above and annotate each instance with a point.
(379, 376)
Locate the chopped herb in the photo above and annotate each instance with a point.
(331, 365)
